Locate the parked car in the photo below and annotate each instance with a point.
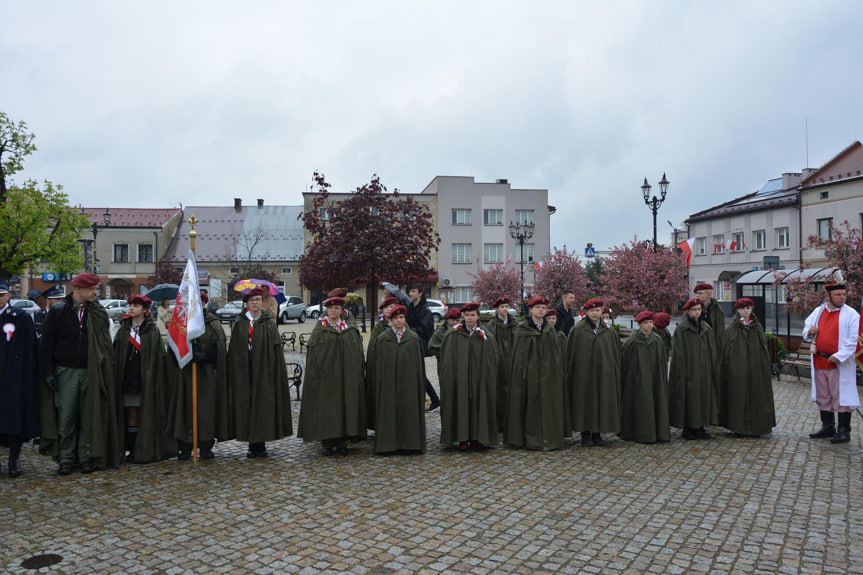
(437, 308)
(24, 305)
(314, 311)
(293, 308)
(486, 312)
(116, 308)
(229, 312)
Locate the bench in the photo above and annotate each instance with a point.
(797, 359)
(624, 333)
(289, 338)
(304, 341)
(295, 376)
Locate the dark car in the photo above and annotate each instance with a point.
(230, 311)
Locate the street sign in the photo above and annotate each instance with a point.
(589, 251)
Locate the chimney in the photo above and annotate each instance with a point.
(238, 204)
(501, 181)
(260, 203)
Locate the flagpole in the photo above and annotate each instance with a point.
(193, 235)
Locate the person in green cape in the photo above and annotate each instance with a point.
(333, 409)
(593, 376)
(644, 384)
(468, 382)
(139, 375)
(538, 403)
(210, 354)
(451, 318)
(257, 378)
(383, 324)
(661, 320)
(693, 371)
(502, 329)
(396, 370)
(746, 405)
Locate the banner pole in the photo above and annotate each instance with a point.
(192, 237)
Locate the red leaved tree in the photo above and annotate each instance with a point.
(559, 271)
(369, 237)
(635, 278)
(497, 281)
(843, 251)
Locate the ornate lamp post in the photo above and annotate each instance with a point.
(520, 233)
(654, 203)
(95, 227)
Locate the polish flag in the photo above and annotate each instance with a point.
(187, 323)
(509, 258)
(686, 247)
(538, 265)
(731, 245)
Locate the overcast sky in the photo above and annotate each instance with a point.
(153, 104)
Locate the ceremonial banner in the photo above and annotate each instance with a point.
(686, 247)
(187, 322)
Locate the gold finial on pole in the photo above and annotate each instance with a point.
(193, 235)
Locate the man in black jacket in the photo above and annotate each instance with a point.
(420, 321)
(564, 311)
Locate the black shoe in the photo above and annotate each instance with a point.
(207, 453)
(184, 455)
(597, 439)
(341, 450)
(586, 439)
(825, 432)
(328, 451)
(87, 467)
(434, 405)
(14, 464)
(130, 457)
(702, 434)
(65, 469)
(843, 435)
(689, 433)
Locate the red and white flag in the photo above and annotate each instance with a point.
(731, 245)
(187, 323)
(686, 247)
(509, 258)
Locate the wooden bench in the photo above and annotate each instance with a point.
(304, 341)
(289, 338)
(295, 376)
(797, 359)
(624, 333)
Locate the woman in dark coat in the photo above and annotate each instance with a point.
(644, 384)
(746, 390)
(333, 409)
(694, 367)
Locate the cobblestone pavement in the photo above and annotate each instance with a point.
(784, 504)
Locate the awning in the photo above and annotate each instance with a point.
(767, 276)
(728, 276)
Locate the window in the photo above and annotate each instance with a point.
(738, 244)
(460, 217)
(759, 239)
(523, 217)
(463, 294)
(825, 195)
(492, 217)
(287, 271)
(528, 253)
(233, 270)
(324, 213)
(701, 246)
(461, 253)
(719, 244)
(783, 241)
(825, 231)
(121, 253)
(145, 253)
(492, 253)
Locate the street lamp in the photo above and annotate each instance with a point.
(521, 232)
(95, 227)
(654, 203)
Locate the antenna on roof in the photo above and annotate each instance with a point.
(806, 136)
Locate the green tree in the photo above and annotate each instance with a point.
(38, 227)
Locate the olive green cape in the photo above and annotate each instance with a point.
(746, 399)
(503, 335)
(153, 442)
(694, 371)
(644, 388)
(262, 403)
(665, 336)
(105, 443)
(396, 374)
(214, 410)
(593, 377)
(334, 398)
(468, 387)
(538, 402)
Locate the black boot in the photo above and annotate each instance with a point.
(14, 464)
(843, 432)
(828, 427)
(435, 400)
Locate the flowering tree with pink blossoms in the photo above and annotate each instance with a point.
(559, 271)
(843, 251)
(635, 278)
(497, 281)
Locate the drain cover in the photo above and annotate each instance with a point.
(39, 561)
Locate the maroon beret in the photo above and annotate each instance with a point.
(500, 301)
(204, 297)
(453, 313)
(644, 315)
(472, 306)
(592, 303)
(551, 311)
(703, 286)
(388, 301)
(339, 301)
(141, 300)
(252, 293)
(661, 320)
(337, 292)
(690, 303)
(398, 310)
(85, 280)
(743, 302)
(537, 300)
(606, 309)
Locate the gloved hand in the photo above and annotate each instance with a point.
(51, 382)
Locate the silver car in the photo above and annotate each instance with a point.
(293, 308)
(116, 308)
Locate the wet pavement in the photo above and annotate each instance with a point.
(782, 504)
